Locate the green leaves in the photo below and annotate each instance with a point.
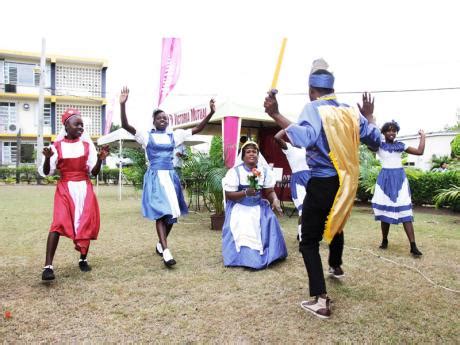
(208, 171)
(449, 196)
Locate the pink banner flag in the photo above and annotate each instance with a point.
(170, 66)
(231, 134)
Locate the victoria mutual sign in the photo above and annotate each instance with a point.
(188, 117)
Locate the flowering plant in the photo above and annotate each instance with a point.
(253, 178)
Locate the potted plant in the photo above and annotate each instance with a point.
(207, 171)
(215, 195)
(214, 190)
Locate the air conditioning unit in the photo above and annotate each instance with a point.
(13, 128)
(10, 88)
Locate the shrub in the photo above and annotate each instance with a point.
(203, 173)
(135, 176)
(110, 175)
(368, 171)
(215, 152)
(28, 173)
(51, 179)
(449, 196)
(424, 186)
(455, 145)
(10, 180)
(6, 172)
(135, 173)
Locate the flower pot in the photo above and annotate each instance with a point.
(217, 221)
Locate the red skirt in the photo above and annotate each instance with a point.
(81, 225)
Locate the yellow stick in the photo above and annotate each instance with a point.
(278, 65)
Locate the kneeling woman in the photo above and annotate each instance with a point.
(251, 236)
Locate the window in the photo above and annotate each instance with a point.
(28, 153)
(7, 115)
(47, 115)
(9, 152)
(23, 74)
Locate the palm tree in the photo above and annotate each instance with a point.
(448, 196)
(205, 174)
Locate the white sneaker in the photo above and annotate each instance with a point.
(319, 307)
(159, 249)
(168, 258)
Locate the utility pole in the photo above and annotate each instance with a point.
(41, 106)
(18, 156)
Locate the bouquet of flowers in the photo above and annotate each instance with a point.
(253, 178)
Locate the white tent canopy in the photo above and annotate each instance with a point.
(115, 136)
(119, 136)
(124, 135)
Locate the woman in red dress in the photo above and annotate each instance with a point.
(76, 211)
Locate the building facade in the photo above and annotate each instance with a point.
(70, 82)
(436, 143)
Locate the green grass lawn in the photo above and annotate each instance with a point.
(131, 297)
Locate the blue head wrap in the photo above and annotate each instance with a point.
(324, 81)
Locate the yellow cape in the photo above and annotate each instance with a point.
(342, 131)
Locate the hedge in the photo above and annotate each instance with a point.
(424, 186)
(427, 185)
(29, 174)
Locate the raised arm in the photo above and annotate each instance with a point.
(279, 139)
(124, 119)
(199, 128)
(271, 108)
(367, 109)
(421, 146)
(368, 132)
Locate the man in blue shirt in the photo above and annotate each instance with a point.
(180, 154)
(330, 132)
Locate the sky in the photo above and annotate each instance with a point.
(230, 48)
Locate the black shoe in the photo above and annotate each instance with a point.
(384, 244)
(84, 267)
(48, 274)
(414, 251)
(170, 263)
(336, 272)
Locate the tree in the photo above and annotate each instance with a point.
(455, 145)
(113, 127)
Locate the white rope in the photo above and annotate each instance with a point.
(404, 265)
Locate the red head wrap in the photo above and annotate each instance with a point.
(69, 113)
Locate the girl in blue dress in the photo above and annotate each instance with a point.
(162, 197)
(300, 174)
(251, 235)
(392, 202)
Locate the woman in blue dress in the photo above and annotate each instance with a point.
(392, 202)
(251, 235)
(162, 197)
